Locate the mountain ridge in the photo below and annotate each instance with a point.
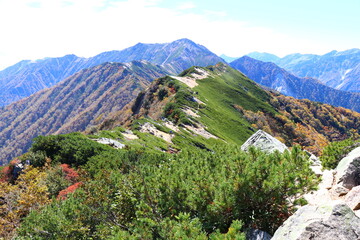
(242, 108)
(27, 77)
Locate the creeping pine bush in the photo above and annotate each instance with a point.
(335, 151)
(191, 195)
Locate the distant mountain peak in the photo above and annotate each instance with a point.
(227, 58)
(184, 40)
(262, 56)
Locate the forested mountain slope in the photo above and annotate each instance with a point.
(81, 100)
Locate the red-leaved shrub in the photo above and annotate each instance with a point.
(70, 174)
(6, 174)
(63, 194)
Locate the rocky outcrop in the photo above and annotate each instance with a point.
(150, 128)
(336, 184)
(264, 141)
(348, 170)
(332, 211)
(336, 221)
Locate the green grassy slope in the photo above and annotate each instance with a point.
(232, 107)
(225, 88)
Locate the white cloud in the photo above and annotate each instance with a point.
(32, 29)
(186, 5)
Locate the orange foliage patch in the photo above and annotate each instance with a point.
(64, 193)
(70, 174)
(6, 174)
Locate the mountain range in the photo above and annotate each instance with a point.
(231, 107)
(339, 70)
(88, 92)
(27, 77)
(270, 75)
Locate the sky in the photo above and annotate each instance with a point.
(35, 29)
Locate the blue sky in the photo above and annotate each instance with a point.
(34, 29)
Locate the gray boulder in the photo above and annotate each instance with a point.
(348, 170)
(256, 234)
(265, 142)
(335, 221)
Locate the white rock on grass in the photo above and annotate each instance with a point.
(110, 142)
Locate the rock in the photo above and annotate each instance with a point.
(357, 213)
(319, 197)
(314, 160)
(352, 199)
(110, 142)
(265, 142)
(336, 221)
(315, 163)
(317, 170)
(129, 135)
(348, 170)
(327, 179)
(256, 234)
(338, 191)
(150, 128)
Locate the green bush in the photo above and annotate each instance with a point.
(37, 158)
(228, 184)
(138, 194)
(74, 148)
(335, 151)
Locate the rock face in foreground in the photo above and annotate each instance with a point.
(332, 211)
(321, 222)
(348, 170)
(264, 141)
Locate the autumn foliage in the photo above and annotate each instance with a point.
(309, 124)
(28, 193)
(70, 174)
(64, 193)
